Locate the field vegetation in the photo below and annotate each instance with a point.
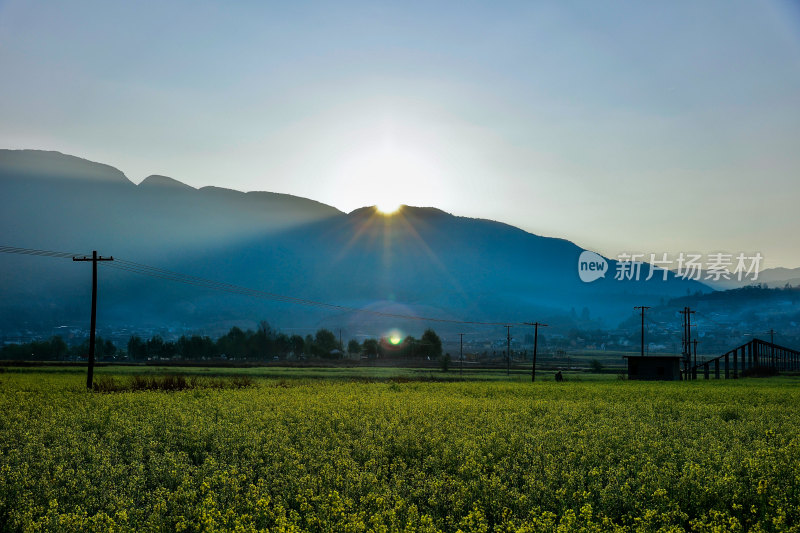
(393, 452)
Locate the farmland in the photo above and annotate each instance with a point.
(313, 450)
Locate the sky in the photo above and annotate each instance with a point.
(652, 127)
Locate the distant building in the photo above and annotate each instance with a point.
(654, 367)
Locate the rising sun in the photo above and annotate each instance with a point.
(388, 207)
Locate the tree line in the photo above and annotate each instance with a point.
(264, 343)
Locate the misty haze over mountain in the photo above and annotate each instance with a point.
(421, 261)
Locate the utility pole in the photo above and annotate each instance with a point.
(462, 353)
(508, 350)
(535, 345)
(687, 339)
(695, 352)
(642, 308)
(94, 259)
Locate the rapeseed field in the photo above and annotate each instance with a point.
(352, 456)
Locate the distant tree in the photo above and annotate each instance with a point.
(265, 329)
(298, 345)
(431, 344)
(109, 349)
(58, 348)
(50, 350)
(370, 347)
(325, 342)
(596, 366)
(233, 344)
(196, 347)
(169, 349)
(282, 345)
(409, 347)
(353, 347)
(137, 349)
(263, 344)
(155, 346)
(80, 350)
(104, 348)
(444, 362)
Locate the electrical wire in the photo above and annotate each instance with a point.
(33, 251)
(169, 275)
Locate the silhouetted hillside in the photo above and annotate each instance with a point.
(420, 261)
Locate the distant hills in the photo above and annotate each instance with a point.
(421, 261)
(771, 277)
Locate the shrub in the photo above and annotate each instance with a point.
(169, 383)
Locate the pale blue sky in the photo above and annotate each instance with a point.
(623, 126)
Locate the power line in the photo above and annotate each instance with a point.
(33, 251)
(169, 275)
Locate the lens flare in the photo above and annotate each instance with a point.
(394, 337)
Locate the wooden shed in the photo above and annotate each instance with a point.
(654, 367)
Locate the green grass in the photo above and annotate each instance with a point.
(382, 449)
(367, 373)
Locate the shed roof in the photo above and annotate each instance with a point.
(653, 357)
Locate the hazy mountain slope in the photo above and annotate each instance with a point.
(426, 262)
(421, 261)
(63, 201)
(771, 277)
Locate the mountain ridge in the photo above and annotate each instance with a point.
(419, 258)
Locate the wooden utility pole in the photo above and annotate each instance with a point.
(508, 350)
(687, 339)
(535, 345)
(642, 308)
(462, 353)
(94, 259)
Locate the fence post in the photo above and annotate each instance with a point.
(716, 368)
(705, 371)
(727, 366)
